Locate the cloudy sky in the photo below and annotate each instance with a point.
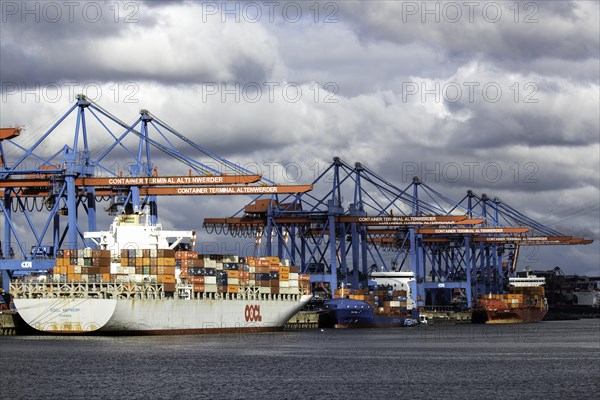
(498, 97)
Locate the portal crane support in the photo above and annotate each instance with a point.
(67, 183)
(450, 246)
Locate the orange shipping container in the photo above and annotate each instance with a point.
(189, 255)
(233, 274)
(106, 277)
(233, 288)
(170, 270)
(273, 268)
(284, 270)
(169, 262)
(166, 278)
(198, 287)
(284, 276)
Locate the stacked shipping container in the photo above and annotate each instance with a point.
(82, 266)
(214, 273)
(383, 300)
(219, 273)
(519, 297)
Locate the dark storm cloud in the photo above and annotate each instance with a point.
(491, 130)
(125, 42)
(562, 30)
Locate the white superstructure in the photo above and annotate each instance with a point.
(128, 232)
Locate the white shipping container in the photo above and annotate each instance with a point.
(138, 278)
(230, 258)
(294, 290)
(233, 281)
(284, 284)
(264, 290)
(293, 276)
(293, 284)
(285, 262)
(154, 253)
(252, 269)
(252, 282)
(208, 263)
(210, 280)
(77, 269)
(210, 288)
(394, 304)
(87, 253)
(285, 290)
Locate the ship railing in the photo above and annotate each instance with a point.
(102, 290)
(246, 296)
(129, 290)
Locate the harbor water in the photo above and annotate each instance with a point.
(549, 360)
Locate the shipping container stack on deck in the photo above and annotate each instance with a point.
(519, 297)
(383, 300)
(222, 273)
(210, 273)
(85, 265)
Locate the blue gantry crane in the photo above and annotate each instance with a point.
(354, 222)
(50, 195)
(347, 223)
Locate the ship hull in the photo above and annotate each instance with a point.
(66, 315)
(508, 316)
(497, 312)
(157, 317)
(348, 313)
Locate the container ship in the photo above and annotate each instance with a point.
(524, 302)
(384, 304)
(146, 280)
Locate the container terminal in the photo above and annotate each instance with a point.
(339, 231)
